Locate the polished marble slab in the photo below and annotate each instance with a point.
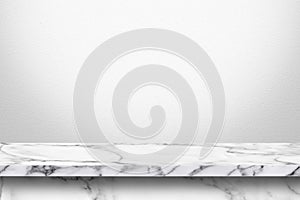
(74, 160)
(100, 188)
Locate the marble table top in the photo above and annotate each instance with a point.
(226, 159)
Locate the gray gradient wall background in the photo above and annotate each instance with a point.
(255, 46)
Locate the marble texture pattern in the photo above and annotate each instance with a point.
(100, 188)
(227, 159)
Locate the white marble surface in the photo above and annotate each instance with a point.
(99, 188)
(264, 159)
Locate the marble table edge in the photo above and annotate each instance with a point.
(277, 160)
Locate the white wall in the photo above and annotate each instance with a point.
(255, 46)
